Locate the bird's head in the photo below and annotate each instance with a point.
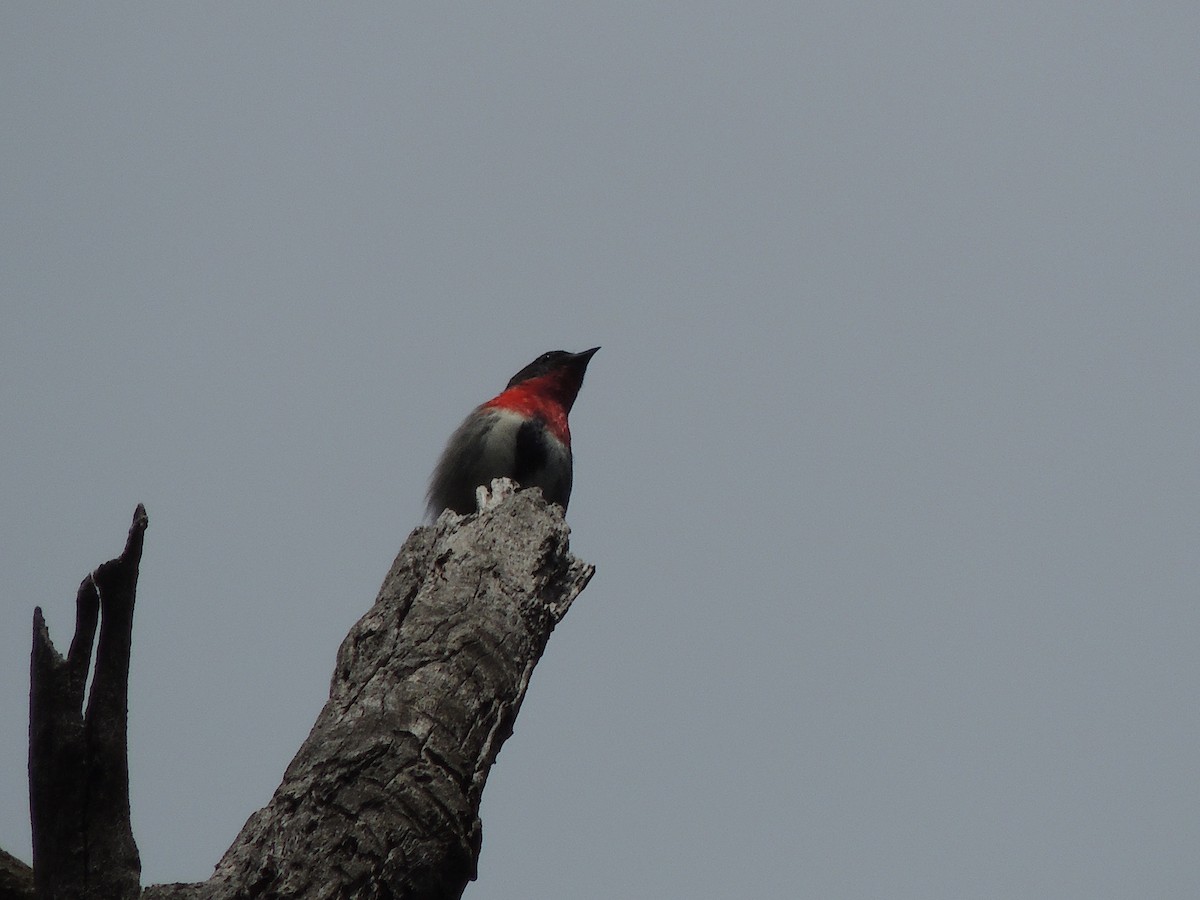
(556, 375)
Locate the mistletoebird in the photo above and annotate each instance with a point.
(520, 433)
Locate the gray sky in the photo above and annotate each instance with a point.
(888, 464)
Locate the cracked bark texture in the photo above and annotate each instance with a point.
(16, 878)
(78, 763)
(382, 800)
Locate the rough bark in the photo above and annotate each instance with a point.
(16, 878)
(78, 765)
(382, 800)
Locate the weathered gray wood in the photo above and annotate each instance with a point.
(382, 800)
(78, 765)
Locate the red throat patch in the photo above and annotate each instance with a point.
(540, 398)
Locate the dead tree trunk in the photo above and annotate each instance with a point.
(78, 766)
(382, 800)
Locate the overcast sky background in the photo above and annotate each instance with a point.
(888, 463)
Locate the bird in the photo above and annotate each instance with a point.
(521, 433)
